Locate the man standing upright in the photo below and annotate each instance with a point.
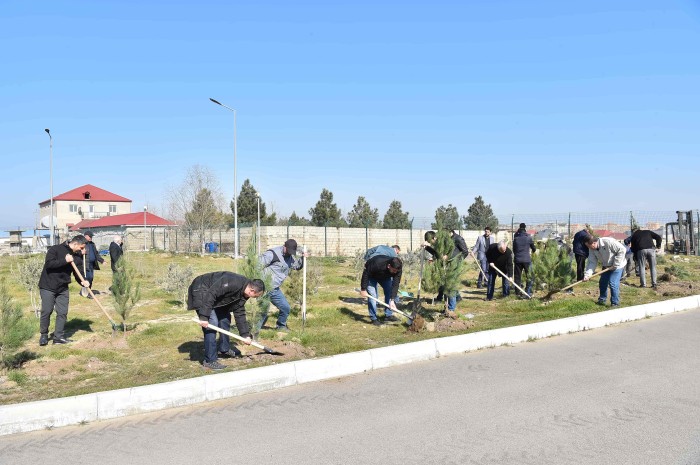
(523, 245)
(479, 250)
(92, 258)
(277, 263)
(611, 255)
(115, 252)
(644, 244)
(580, 252)
(53, 286)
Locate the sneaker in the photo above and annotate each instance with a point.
(282, 328)
(215, 365)
(600, 302)
(61, 340)
(232, 353)
(450, 314)
(377, 323)
(615, 305)
(43, 340)
(391, 318)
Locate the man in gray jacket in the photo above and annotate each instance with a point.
(611, 255)
(277, 263)
(479, 250)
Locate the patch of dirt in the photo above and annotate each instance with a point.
(418, 324)
(290, 351)
(449, 324)
(50, 368)
(96, 341)
(676, 289)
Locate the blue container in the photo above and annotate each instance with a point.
(211, 247)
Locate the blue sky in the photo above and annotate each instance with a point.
(538, 106)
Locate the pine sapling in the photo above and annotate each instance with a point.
(551, 267)
(444, 271)
(252, 268)
(126, 290)
(13, 332)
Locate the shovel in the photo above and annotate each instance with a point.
(387, 306)
(478, 265)
(416, 303)
(114, 325)
(303, 294)
(551, 293)
(510, 280)
(236, 336)
(83, 290)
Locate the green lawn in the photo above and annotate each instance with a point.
(165, 345)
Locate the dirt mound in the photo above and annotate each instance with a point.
(103, 341)
(417, 325)
(449, 324)
(675, 289)
(291, 350)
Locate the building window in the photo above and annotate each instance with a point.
(113, 209)
(92, 208)
(73, 208)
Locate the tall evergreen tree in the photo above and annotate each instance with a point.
(203, 215)
(447, 217)
(295, 220)
(326, 213)
(395, 217)
(248, 207)
(480, 215)
(363, 215)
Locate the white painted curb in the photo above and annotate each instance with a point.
(30, 416)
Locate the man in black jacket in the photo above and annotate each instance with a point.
(53, 286)
(115, 252)
(386, 272)
(214, 296)
(522, 246)
(644, 244)
(92, 259)
(502, 258)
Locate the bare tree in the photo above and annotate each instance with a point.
(197, 203)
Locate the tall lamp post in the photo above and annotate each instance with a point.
(257, 196)
(235, 185)
(145, 208)
(51, 185)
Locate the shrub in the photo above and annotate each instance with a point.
(28, 274)
(13, 331)
(177, 280)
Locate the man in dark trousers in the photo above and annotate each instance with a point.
(115, 252)
(502, 258)
(214, 296)
(644, 244)
(92, 259)
(580, 252)
(53, 286)
(385, 272)
(522, 246)
(483, 243)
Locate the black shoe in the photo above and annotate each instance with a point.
(215, 365)
(600, 302)
(282, 328)
(377, 323)
(232, 353)
(479, 286)
(43, 340)
(62, 340)
(390, 318)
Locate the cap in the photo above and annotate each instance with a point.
(291, 246)
(522, 225)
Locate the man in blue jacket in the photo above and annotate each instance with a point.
(522, 246)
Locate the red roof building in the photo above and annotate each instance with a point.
(119, 221)
(82, 203)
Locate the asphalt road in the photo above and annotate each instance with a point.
(628, 394)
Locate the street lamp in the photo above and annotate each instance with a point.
(257, 196)
(51, 185)
(235, 185)
(145, 207)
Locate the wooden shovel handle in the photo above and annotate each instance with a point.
(75, 268)
(510, 280)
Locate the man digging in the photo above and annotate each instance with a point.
(214, 296)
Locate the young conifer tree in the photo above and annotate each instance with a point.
(252, 268)
(13, 331)
(444, 271)
(551, 267)
(126, 290)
